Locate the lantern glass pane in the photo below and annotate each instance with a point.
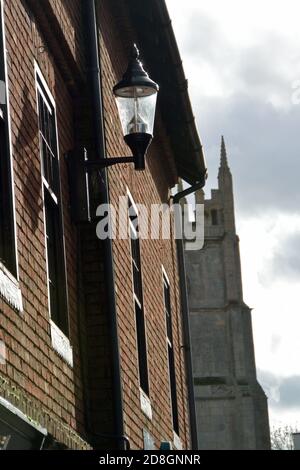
(137, 111)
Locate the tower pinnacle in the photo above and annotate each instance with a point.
(224, 161)
(224, 170)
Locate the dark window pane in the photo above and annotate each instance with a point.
(214, 217)
(136, 269)
(173, 389)
(48, 139)
(55, 265)
(7, 251)
(142, 348)
(168, 311)
(138, 291)
(172, 372)
(52, 253)
(7, 229)
(135, 255)
(53, 215)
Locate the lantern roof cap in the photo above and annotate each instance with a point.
(135, 75)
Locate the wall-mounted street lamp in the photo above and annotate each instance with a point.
(136, 96)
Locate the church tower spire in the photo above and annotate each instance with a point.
(226, 189)
(224, 161)
(224, 170)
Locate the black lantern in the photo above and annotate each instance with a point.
(136, 96)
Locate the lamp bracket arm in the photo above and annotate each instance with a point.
(91, 165)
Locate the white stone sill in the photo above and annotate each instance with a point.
(61, 344)
(145, 404)
(10, 290)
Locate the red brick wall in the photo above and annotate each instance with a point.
(32, 362)
(149, 187)
(33, 366)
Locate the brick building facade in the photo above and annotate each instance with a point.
(58, 379)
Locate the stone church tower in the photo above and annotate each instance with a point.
(231, 406)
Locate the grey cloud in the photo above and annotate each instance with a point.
(283, 393)
(290, 392)
(262, 72)
(202, 39)
(275, 343)
(263, 141)
(263, 147)
(285, 263)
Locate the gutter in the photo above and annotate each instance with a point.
(94, 81)
(200, 159)
(149, 25)
(182, 89)
(185, 318)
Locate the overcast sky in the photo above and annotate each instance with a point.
(242, 60)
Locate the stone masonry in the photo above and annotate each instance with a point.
(231, 406)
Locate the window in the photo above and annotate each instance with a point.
(171, 359)
(7, 227)
(56, 271)
(214, 217)
(138, 297)
(17, 432)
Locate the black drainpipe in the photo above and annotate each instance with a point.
(185, 318)
(93, 64)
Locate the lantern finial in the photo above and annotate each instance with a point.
(135, 53)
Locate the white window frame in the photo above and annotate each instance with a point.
(176, 439)
(145, 401)
(9, 284)
(60, 342)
